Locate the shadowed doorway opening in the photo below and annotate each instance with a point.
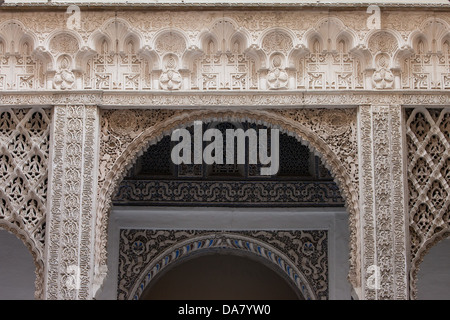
(220, 276)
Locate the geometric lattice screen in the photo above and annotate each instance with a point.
(428, 140)
(24, 144)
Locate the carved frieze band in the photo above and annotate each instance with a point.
(206, 51)
(70, 221)
(382, 202)
(228, 193)
(301, 256)
(195, 100)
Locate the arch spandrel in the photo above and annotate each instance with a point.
(191, 243)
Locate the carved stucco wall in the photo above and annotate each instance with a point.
(71, 204)
(126, 134)
(25, 143)
(428, 138)
(263, 50)
(342, 121)
(301, 256)
(265, 56)
(382, 198)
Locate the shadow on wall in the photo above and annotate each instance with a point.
(17, 270)
(434, 276)
(220, 277)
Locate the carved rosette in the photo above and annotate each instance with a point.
(383, 78)
(277, 78)
(63, 80)
(170, 79)
(123, 122)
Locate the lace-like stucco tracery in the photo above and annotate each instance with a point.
(301, 256)
(123, 140)
(428, 138)
(24, 143)
(122, 80)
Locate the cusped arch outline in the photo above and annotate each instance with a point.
(266, 54)
(153, 134)
(115, 29)
(401, 47)
(17, 32)
(432, 30)
(336, 33)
